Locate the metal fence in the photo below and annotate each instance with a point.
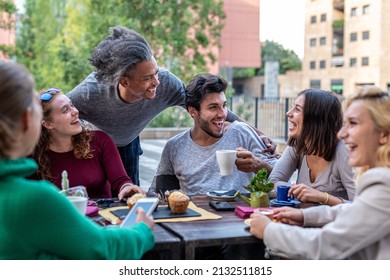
(266, 114)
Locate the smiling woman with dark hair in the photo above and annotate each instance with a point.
(314, 149)
(357, 230)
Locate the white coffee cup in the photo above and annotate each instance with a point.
(226, 159)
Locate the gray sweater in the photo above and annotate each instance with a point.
(336, 179)
(357, 230)
(196, 166)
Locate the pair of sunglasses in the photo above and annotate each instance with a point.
(48, 94)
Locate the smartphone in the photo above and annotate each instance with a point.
(221, 205)
(149, 204)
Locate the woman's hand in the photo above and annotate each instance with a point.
(288, 215)
(128, 190)
(141, 217)
(258, 224)
(305, 193)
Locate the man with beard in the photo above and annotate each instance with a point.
(190, 155)
(126, 91)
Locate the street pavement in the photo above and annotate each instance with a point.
(149, 160)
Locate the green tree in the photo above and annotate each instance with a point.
(7, 22)
(57, 36)
(39, 41)
(60, 35)
(288, 59)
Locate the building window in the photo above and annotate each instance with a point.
(323, 17)
(365, 61)
(353, 37)
(322, 64)
(336, 86)
(353, 12)
(313, 19)
(312, 65)
(365, 35)
(352, 62)
(315, 83)
(323, 41)
(366, 9)
(313, 42)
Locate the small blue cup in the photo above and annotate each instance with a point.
(282, 193)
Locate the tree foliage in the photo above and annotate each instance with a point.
(288, 59)
(7, 22)
(57, 36)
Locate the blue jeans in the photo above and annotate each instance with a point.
(130, 158)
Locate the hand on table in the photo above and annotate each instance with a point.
(288, 215)
(258, 224)
(128, 190)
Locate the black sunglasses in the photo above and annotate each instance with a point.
(48, 94)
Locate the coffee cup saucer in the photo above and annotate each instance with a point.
(292, 202)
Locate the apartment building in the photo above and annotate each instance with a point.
(347, 44)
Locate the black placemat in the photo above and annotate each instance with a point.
(162, 212)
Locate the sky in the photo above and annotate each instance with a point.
(283, 21)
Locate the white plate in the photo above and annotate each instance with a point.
(222, 197)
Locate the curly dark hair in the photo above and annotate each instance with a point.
(322, 119)
(81, 142)
(201, 85)
(119, 53)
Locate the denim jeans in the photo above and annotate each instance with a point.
(130, 158)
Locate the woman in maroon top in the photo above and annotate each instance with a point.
(90, 158)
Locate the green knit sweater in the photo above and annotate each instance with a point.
(36, 222)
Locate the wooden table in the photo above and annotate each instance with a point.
(181, 239)
(164, 240)
(230, 229)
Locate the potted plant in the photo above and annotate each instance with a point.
(259, 189)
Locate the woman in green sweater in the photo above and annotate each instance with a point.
(36, 222)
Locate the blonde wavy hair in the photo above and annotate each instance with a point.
(377, 102)
(81, 141)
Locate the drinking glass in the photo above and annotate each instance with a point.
(78, 196)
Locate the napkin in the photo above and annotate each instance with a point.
(245, 211)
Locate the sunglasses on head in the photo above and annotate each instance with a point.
(48, 94)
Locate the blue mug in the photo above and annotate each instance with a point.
(282, 193)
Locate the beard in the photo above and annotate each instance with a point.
(206, 126)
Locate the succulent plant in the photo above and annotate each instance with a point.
(260, 183)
